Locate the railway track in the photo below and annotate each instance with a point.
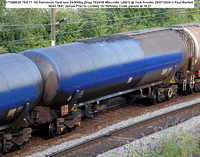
(116, 138)
(99, 120)
(103, 119)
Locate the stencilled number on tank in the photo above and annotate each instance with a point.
(164, 71)
(11, 113)
(130, 79)
(81, 93)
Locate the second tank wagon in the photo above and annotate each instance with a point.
(101, 66)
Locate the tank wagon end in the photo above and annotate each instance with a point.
(189, 74)
(21, 89)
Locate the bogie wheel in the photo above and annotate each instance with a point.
(52, 129)
(153, 97)
(169, 94)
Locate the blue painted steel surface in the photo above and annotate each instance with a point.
(174, 58)
(156, 62)
(103, 67)
(20, 83)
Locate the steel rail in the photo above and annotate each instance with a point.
(97, 124)
(123, 128)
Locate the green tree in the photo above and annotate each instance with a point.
(33, 30)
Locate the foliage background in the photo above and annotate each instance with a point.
(32, 27)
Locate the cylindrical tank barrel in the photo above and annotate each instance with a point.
(21, 83)
(102, 66)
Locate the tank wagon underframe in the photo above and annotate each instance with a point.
(77, 79)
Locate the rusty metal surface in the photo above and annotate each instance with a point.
(195, 35)
(196, 32)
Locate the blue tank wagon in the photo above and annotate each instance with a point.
(21, 89)
(101, 66)
(87, 72)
